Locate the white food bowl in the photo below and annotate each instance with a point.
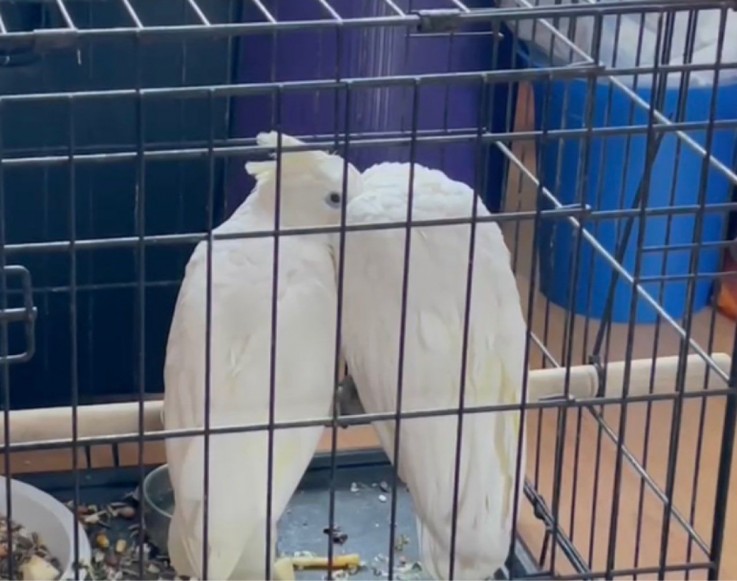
(43, 514)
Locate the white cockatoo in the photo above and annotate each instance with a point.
(241, 333)
(436, 299)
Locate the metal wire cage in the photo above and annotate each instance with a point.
(124, 126)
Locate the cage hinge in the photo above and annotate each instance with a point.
(435, 20)
(50, 33)
(25, 315)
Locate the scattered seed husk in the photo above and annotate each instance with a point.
(127, 512)
(102, 541)
(112, 560)
(121, 555)
(413, 567)
(355, 570)
(94, 518)
(38, 569)
(401, 542)
(124, 557)
(27, 557)
(382, 498)
(120, 546)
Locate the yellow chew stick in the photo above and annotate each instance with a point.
(339, 562)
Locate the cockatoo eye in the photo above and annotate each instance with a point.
(333, 199)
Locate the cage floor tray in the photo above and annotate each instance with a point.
(362, 483)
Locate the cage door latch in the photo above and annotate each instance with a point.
(25, 315)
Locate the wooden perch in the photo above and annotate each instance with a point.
(44, 424)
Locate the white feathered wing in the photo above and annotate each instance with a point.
(438, 266)
(239, 384)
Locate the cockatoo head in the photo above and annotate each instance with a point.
(311, 183)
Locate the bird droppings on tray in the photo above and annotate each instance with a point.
(383, 486)
(338, 536)
(382, 498)
(26, 556)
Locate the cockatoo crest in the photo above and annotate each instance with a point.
(291, 161)
(312, 182)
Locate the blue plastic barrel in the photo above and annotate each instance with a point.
(611, 182)
(383, 51)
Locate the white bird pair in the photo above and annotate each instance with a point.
(240, 375)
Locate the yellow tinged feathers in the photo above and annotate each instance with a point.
(497, 388)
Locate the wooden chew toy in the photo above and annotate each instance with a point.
(339, 562)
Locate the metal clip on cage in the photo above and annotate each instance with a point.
(25, 316)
